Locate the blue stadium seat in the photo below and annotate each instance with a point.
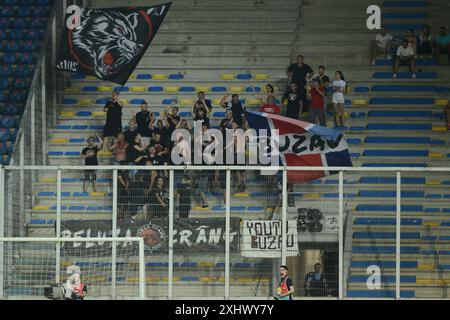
(218, 89)
(144, 76)
(176, 76)
(398, 140)
(244, 76)
(413, 101)
(155, 89)
(399, 126)
(187, 89)
(405, 75)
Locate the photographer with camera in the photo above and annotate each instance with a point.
(286, 287)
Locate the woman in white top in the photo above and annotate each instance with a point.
(339, 87)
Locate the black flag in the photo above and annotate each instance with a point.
(109, 43)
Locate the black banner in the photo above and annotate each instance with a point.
(190, 235)
(109, 43)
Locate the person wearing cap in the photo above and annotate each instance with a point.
(405, 56)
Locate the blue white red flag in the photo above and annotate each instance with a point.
(304, 144)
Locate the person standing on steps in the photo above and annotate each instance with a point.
(113, 125)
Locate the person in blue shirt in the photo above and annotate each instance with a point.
(443, 42)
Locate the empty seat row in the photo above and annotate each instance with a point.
(19, 45)
(168, 89)
(35, 23)
(179, 76)
(405, 75)
(18, 71)
(24, 11)
(18, 58)
(19, 34)
(74, 194)
(14, 96)
(25, 3)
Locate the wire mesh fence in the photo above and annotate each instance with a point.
(216, 232)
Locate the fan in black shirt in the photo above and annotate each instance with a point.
(144, 120)
(299, 73)
(294, 102)
(236, 107)
(89, 155)
(131, 132)
(113, 123)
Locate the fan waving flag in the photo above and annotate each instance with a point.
(304, 144)
(109, 43)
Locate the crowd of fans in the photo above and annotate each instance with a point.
(147, 140)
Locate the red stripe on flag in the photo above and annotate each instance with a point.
(288, 126)
(309, 160)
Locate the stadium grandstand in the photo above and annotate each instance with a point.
(376, 221)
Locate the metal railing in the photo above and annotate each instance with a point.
(240, 275)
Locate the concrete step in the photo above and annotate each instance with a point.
(283, 21)
(210, 36)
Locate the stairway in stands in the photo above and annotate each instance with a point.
(22, 26)
(389, 123)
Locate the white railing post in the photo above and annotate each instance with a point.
(341, 235)
(114, 235)
(142, 285)
(284, 222)
(58, 225)
(44, 111)
(398, 235)
(54, 85)
(2, 228)
(33, 129)
(227, 233)
(171, 218)
(22, 174)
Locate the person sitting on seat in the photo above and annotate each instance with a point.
(382, 45)
(405, 56)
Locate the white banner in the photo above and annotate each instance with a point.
(262, 239)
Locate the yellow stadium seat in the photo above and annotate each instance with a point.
(152, 279)
(171, 89)
(440, 102)
(431, 224)
(360, 102)
(243, 279)
(204, 89)
(84, 102)
(241, 194)
(105, 89)
(253, 102)
(433, 182)
(91, 78)
(67, 114)
(72, 89)
(216, 102)
(206, 264)
(261, 76)
(132, 77)
(426, 267)
(59, 140)
(97, 194)
(439, 129)
(48, 180)
(104, 154)
(124, 102)
(98, 114)
(227, 76)
(137, 89)
(186, 102)
(41, 207)
(206, 279)
(200, 209)
(159, 76)
(436, 155)
(311, 195)
(236, 89)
